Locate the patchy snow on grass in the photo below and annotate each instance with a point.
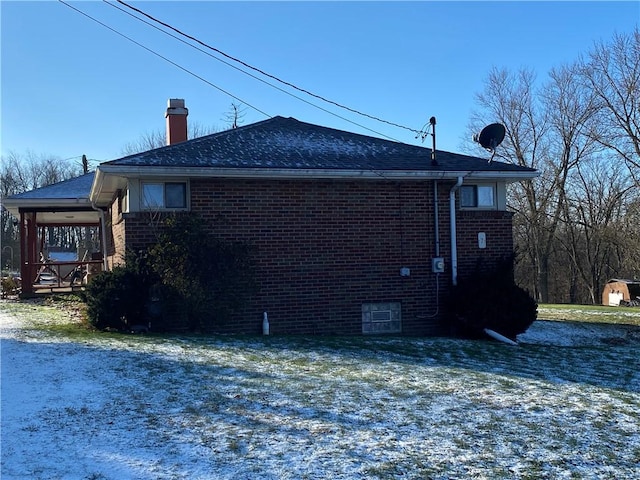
(590, 313)
(579, 334)
(563, 404)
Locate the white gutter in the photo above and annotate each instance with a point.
(14, 204)
(454, 242)
(267, 172)
(104, 184)
(96, 187)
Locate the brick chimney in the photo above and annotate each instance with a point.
(176, 121)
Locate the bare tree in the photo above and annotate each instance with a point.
(512, 100)
(157, 138)
(235, 115)
(575, 224)
(594, 232)
(611, 72)
(23, 172)
(545, 129)
(628, 253)
(570, 111)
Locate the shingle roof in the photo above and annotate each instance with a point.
(74, 188)
(287, 143)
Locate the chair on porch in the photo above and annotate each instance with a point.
(46, 274)
(58, 271)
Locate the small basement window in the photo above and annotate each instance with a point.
(169, 195)
(477, 196)
(381, 318)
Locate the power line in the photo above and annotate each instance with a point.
(166, 25)
(165, 58)
(250, 74)
(208, 82)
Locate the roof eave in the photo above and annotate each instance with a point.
(292, 173)
(110, 177)
(13, 205)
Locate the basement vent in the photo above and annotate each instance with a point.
(381, 318)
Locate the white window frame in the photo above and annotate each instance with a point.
(480, 190)
(163, 183)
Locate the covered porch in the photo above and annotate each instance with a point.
(62, 236)
(48, 266)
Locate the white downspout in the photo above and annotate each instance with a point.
(454, 242)
(436, 224)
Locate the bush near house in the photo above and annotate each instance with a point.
(116, 299)
(187, 281)
(10, 285)
(491, 299)
(209, 279)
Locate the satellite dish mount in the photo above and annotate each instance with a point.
(490, 137)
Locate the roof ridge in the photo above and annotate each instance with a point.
(239, 128)
(214, 134)
(286, 142)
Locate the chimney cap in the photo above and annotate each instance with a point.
(175, 106)
(175, 103)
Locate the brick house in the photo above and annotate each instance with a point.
(354, 234)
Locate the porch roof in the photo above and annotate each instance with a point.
(62, 203)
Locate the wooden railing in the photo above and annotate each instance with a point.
(64, 274)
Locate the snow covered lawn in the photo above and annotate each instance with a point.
(564, 404)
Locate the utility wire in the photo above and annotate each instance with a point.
(263, 72)
(255, 77)
(208, 82)
(165, 59)
(380, 174)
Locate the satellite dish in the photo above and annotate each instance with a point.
(490, 137)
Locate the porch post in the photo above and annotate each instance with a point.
(22, 233)
(28, 240)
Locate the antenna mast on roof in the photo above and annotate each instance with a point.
(425, 132)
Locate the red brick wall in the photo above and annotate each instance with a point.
(115, 236)
(497, 227)
(134, 231)
(326, 247)
(142, 229)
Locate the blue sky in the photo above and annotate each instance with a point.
(71, 87)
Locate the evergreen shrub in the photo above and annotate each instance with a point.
(115, 299)
(186, 281)
(491, 299)
(205, 277)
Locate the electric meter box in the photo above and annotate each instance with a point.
(437, 265)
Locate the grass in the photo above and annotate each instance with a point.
(62, 315)
(342, 407)
(590, 314)
(65, 314)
